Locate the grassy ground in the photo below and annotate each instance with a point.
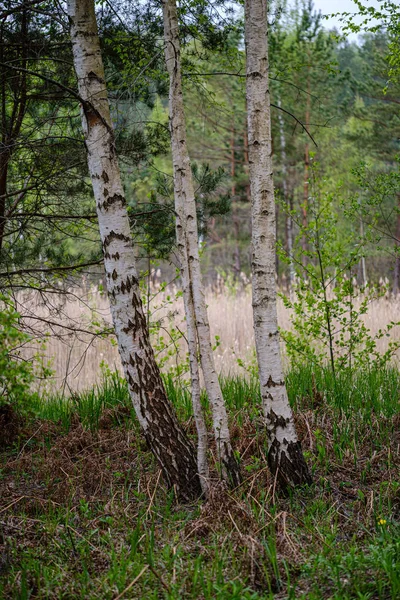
(84, 513)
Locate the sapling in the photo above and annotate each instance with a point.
(328, 307)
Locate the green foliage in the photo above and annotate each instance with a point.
(374, 19)
(16, 374)
(19, 375)
(327, 306)
(155, 219)
(167, 337)
(378, 205)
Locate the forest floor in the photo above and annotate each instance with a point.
(84, 512)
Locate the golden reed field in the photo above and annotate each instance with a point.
(76, 355)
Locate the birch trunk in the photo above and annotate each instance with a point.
(202, 436)
(285, 457)
(289, 221)
(235, 218)
(156, 416)
(185, 208)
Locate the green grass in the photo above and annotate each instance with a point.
(84, 513)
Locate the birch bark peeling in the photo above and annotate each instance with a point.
(285, 457)
(188, 243)
(156, 416)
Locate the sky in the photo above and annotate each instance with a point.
(328, 7)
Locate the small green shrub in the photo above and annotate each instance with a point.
(16, 374)
(327, 308)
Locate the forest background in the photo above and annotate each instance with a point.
(335, 147)
(335, 138)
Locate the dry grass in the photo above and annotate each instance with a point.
(76, 358)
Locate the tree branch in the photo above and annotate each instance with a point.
(8, 274)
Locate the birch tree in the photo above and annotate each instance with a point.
(188, 243)
(156, 416)
(285, 456)
(288, 201)
(202, 435)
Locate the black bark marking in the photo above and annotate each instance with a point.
(272, 383)
(274, 420)
(92, 116)
(105, 177)
(114, 236)
(288, 465)
(93, 77)
(113, 200)
(255, 75)
(232, 467)
(127, 329)
(114, 275)
(127, 285)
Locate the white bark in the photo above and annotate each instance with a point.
(155, 414)
(202, 435)
(289, 220)
(187, 233)
(284, 456)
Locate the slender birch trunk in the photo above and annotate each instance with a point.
(235, 218)
(185, 208)
(289, 220)
(156, 416)
(285, 457)
(202, 436)
(246, 156)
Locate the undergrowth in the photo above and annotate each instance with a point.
(84, 512)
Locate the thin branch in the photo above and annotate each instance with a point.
(50, 270)
(24, 6)
(298, 121)
(238, 74)
(51, 216)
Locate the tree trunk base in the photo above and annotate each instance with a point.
(178, 467)
(232, 468)
(288, 466)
